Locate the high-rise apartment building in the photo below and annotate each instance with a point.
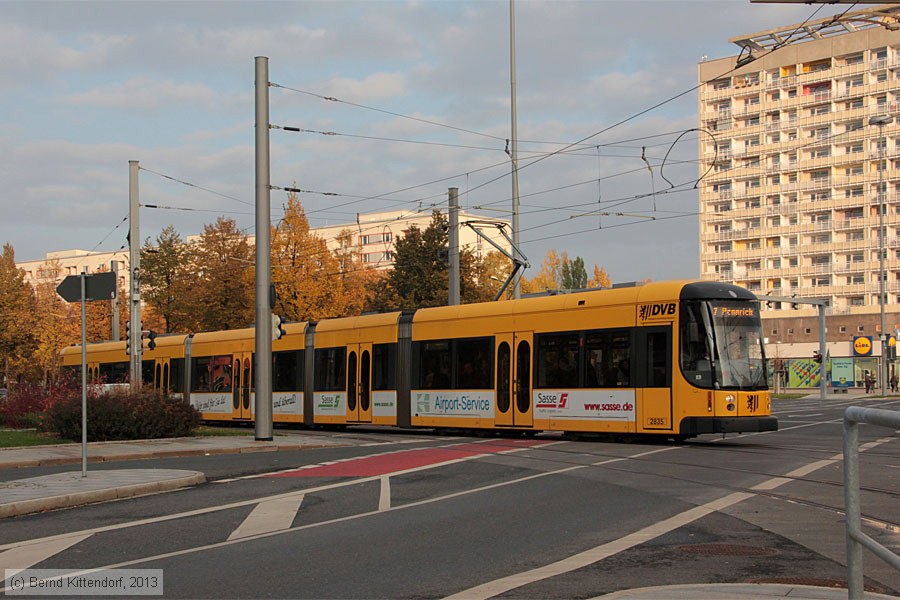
(790, 162)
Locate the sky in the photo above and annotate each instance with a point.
(421, 103)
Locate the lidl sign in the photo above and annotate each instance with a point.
(862, 345)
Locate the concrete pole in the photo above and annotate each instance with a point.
(263, 405)
(881, 244)
(134, 267)
(823, 345)
(453, 276)
(114, 269)
(513, 146)
(881, 121)
(84, 373)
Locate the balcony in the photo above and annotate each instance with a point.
(815, 184)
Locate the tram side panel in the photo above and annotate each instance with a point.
(584, 368)
(452, 365)
(356, 371)
(222, 375)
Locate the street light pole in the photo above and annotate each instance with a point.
(881, 121)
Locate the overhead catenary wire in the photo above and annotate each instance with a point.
(194, 185)
(569, 147)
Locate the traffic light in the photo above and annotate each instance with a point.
(128, 338)
(151, 337)
(277, 327)
(817, 356)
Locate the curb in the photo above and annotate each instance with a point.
(717, 591)
(25, 507)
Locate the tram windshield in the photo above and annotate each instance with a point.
(721, 345)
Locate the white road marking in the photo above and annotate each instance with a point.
(339, 519)
(32, 552)
(583, 559)
(588, 557)
(384, 496)
(241, 503)
(268, 516)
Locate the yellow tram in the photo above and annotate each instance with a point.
(673, 359)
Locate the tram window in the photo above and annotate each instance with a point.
(114, 372)
(607, 354)
(695, 355)
(211, 374)
(176, 375)
(384, 366)
(330, 368)
(432, 360)
(473, 367)
(147, 369)
(557, 360)
(657, 360)
(287, 371)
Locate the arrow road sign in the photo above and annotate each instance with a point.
(99, 286)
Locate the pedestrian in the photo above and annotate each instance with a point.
(868, 380)
(894, 382)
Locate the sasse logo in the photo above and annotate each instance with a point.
(649, 311)
(551, 400)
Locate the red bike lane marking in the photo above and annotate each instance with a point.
(384, 464)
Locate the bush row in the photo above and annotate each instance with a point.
(112, 414)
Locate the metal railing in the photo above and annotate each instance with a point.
(856, 539)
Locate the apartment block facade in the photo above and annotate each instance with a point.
(791, 155)
(375, 234)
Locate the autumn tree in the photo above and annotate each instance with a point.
(59, 326)
(600, 279)
(17, 341)
(306, 274)
(166, 280)
(549, 275)
(222, 293)
(559, 272)
(495, 269)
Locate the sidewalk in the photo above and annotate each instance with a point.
(65, 454)
(37, 494)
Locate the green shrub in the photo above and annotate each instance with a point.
(123, 415)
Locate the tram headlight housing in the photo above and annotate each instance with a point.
(730, 400)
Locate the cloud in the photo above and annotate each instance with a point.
(146, 93)
(30, 55)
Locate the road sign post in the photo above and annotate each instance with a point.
(84, 288)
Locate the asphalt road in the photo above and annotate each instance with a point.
(397, 515)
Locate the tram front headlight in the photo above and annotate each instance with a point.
(730, 400)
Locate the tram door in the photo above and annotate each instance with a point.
(513, 406)
(93, 373)
(241, 386)
(359, 383)
(161, 376)
(654, 394)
